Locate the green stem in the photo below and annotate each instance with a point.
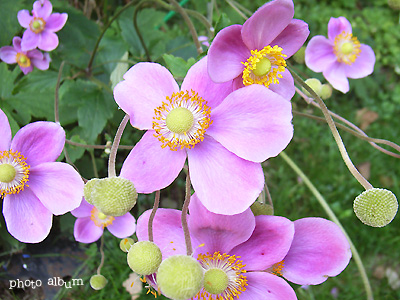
(114, 147)
(137, 9)
(152, 215)
(56, 99)
(185, 209)
(102, 255)
(333, 217)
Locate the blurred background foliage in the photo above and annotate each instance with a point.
(90, 116)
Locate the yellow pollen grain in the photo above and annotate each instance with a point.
(277, 268)
(100, 219)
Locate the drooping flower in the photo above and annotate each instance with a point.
(41, 26)
(26, 59)
(340, 56)
(33, 185)
(256, 51)
(224, 134)
(90, 224)
(252, 253)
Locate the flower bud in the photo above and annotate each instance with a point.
(97, 282)
(259, 208)
(314, 84)
(180, 277)
(299, 55)
(144, 257)
(125, 244)
(376, 207)
(326, 91)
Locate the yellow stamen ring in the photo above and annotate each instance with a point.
(37, 25)
(23, 60)
(264, 66)
(277, 268)
(346, 48)
(13, 182)
(100, 219)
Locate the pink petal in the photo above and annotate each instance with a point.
(336, 76)
(27, 69)
(8, 54)
(226, 54)
(151, 167)
(123, 226)
(48, 41)
(253, 122)
(267, 23)
(30, 40)
(165, 221)
(17, 43)
(319, 250)
(218, 232)
(319, 54)
(39, 142)
(265, 286)
(198, 80)
(56, 178)
(26, 218)
(35, 54)
(363, 65)
(292, 37)
(336, 26)
(225, 183)
(285, 87)
(56, 22)
(42, 9)
(41, 63)
(268, 245)
(24, 18)
(145, 87)
(5, 132)
(85, 231)
(83, 210)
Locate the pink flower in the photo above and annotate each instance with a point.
(33, 185)
(25, 59)
(90, 224)
(253, 251)
(41, 26)
(256, 51)
(224, 134)
(340, 56)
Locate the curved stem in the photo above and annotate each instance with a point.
(152, 215)
(333, 217)
(114, 147)
(56, 99)
(102, 255)
(95, 146)
(185, 208)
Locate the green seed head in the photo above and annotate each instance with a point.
(300, 55)
(262, 67)
(179, 120)
(7, 173)
(259, 208)
(315, 84)
(144, 257)
(376, 207)
(97, 282)
(215, 281)
(125, 244)
(326, 91)
(180, 277)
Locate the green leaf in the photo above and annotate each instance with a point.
(7, 79)
(119, 71)
(177, 65)
(75, 152)
(8, 20)
(223, 21)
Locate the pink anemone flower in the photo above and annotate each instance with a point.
(26, 59)
(224, 134)
(90, 224)
(340, 56)
(254, 252)
(41, 26)
(255, 53)
(33, 185)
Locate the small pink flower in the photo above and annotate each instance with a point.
(33, 184)
(26, 59)
(256, 51)
(41, 26)
(90, 224)
(340, 56)
(254, 252)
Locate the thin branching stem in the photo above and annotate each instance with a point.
(56, 98)
(72, 143)
(102, 255)
(114, 147)
(152, 215)
(135, 24)
(185, 209)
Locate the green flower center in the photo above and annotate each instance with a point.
(215, 281)
(346, 48)
(7, 173)
(262, 67)
(180, 120)
(36, 24)
(102, 216)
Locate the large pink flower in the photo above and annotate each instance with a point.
(256, 51)
(340, 56)
(41, 26)
(33, 185)
(253, 251)
(224, 134)
(26, 59)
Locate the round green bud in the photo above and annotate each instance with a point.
(299, 56)
(7, 173)
(215, 281)
(180, 277)
(144, 257)
(97, 282)
(125, 244)
(313, 83)
(376, 207)
(259, 208)
(87, 190)
(326, 91)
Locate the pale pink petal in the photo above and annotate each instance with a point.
(84, 210)
(265, 286)
(336, 76)
(285, 87)
(26, 70)
(319, 54)
(39, 142)
(43, 62)
(26, 218)
(226, 54)
(267, 23)
(319, 250)
(35, 54)
(218, 232)
(269, 243)
(42, 9)
(57, 185)
(145, 87)
(198, 80)
(48, 41)
(30, 40)
(363, 65)
(151, 167)
(253, 122)
(5, 132)
(56, 22)
(86, 231)
(225, 183)
(8, 54)
(123, 226)
(17, 43)
(337, 26)
(24, 18)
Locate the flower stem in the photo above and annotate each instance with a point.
(102, 255)
(333, 217)
(153, 214)
(114, 147)
(141, 3)
(185, 208)
(56, 99)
